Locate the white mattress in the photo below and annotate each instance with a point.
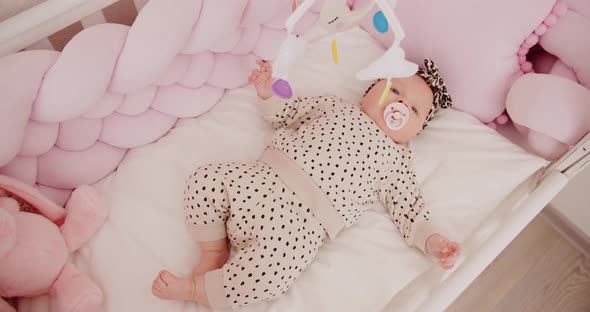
(460, 164)
(145, 231)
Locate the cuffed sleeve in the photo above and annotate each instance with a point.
(422, 231)
(402, 198)
(288, 113)
(214, 284)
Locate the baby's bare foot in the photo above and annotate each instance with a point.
(170, 287)
(211, 260)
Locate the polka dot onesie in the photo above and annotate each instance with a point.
(327, 164)
(275, 233)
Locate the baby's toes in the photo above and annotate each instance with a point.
(167, 277)
(158, 284)
(156, 289)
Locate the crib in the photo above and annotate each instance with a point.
(42, 27)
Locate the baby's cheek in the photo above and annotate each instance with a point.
(414, 128)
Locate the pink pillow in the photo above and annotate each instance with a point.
(568, 39)
(549, 127)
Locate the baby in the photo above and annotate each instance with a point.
(329, 161)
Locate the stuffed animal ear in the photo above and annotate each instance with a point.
(41, 203)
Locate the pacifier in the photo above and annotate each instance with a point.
(396, 116)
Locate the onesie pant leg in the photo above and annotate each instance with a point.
(206, 202)
(275, 233)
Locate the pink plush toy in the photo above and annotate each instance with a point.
(551, 112)
(551, 108)
(36, 239)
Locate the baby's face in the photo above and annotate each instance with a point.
(412, 92)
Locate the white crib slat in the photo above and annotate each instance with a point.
(140, 4)
(37, 23)
(93, 19)
(43, 44)
(481, 257)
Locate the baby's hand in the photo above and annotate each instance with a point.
(262, 79)
(443, 249)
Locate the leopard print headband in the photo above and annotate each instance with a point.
(442, 99)
(430, 74)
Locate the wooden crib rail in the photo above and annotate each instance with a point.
(42, 20)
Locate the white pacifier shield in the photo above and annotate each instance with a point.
(396, 116)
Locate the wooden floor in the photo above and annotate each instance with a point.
(539, 271)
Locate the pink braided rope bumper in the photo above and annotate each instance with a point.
(69, 118)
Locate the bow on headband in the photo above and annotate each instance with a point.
(442, 99)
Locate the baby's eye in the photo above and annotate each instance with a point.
(414, 110)
(394, 90)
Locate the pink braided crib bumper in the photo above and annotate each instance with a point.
(69, 118)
